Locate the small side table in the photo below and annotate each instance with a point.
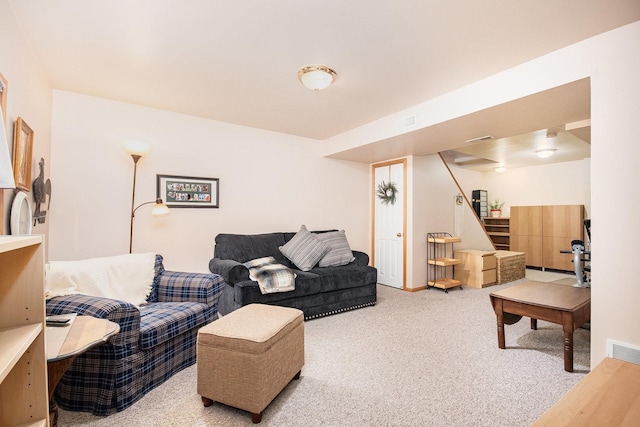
(64, 343)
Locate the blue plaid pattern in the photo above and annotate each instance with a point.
(163, 321)
(154, 342)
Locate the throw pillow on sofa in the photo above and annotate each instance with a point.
(304, 249)
(339, 250)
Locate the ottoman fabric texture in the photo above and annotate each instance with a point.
(246, 358)
(510, 266)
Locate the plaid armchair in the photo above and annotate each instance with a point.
(155, 341)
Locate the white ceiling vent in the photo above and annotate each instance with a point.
(405, 123)
(479, 139)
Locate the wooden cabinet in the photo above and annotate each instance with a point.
(23, 363)
(440, 261)
(526, 233)
(499, 232)
(541, 232)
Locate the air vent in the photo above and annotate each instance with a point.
(405, 123)
(623, 351)
(479, 139)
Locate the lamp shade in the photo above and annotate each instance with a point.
(6, 171)
(137, 148)
(316, 77)
(160, 209)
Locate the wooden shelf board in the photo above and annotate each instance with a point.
(39, 423)
(444, 283)
(10, 243)
(444, 239)
(444, 262)
(13, 343)
(498, 233)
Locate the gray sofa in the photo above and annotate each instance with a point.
(318, 292)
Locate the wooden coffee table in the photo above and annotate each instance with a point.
(565, 305)
(64, 343)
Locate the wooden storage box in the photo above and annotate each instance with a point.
(510, 266)
(471, 259)
(476, 268)
(476, 279)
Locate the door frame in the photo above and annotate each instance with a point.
(374, 166)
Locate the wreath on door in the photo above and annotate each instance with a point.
(387, 192)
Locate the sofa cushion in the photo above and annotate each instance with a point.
(344, 277)
(242, 247)
(339, 250)
(307, 283)
(162, 321)
(304, 249)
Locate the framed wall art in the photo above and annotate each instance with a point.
(22, 149)
(188, 191)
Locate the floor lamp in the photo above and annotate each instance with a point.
(138, 150)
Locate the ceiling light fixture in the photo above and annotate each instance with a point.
(545, 153)
(500, 169)
(316, 77)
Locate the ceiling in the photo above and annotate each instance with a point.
(236, 61)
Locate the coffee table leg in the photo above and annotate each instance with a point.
(534, 324)
(568, 351)
(500, 319)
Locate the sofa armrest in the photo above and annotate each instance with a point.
(178, 286)
(123, 313)
(362, 259)
(232, 271)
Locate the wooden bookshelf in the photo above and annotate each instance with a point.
(498, 231)
(23, 365)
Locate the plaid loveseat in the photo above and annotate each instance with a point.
(155, 341)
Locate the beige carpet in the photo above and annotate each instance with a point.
(415, 359)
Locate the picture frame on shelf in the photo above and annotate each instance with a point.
(188, 191)
(22, 154)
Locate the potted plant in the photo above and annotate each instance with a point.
(496, 208)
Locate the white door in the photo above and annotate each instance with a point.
(389, 225)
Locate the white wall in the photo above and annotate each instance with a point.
(612, 62)
(29, 97)
(268, 182)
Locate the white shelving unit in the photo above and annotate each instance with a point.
(24, 397)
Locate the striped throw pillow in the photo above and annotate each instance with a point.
(339, 249)
(304, 249)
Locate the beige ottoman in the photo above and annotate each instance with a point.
(248, 356)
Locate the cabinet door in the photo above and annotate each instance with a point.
(526, 233)
(526, 220)
(563, 221)
(561, 225)
(531, 246)
(552, 258)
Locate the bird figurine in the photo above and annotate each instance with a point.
(41, 190)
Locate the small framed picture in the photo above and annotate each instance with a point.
(188, 191)
(22, 151)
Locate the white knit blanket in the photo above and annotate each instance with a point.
(123, 277)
